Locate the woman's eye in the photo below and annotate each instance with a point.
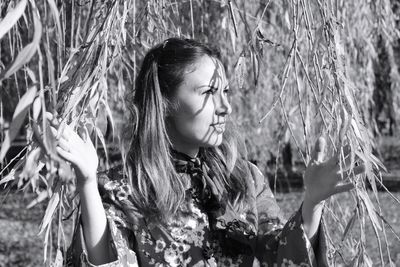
(227, 91)
(211, 91)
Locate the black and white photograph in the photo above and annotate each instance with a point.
(199, 133)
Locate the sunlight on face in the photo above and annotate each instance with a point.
(202, 107)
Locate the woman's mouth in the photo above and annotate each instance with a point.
(219, 127)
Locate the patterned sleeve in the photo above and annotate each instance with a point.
(119, 227)
(283, 242)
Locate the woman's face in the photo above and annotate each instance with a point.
(202, 107)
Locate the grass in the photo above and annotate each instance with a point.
(21, 246)
(19, 243)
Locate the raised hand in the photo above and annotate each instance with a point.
(76, 149)
(323, 179)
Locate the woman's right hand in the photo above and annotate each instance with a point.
(77, 150)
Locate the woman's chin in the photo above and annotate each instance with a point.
(214, 141)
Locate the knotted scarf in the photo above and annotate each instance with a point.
(204, 190)
(227, 225)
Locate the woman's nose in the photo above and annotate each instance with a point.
(223, 107)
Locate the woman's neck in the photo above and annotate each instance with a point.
(178, 143)
(188, 150)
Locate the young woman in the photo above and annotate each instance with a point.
(187, 196)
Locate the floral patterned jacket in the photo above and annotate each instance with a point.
(255, 236)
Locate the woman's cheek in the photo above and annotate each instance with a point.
(193, 108)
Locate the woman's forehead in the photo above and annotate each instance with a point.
(207, 70)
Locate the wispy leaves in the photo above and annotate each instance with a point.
(18, 119)
(290, 50)
(75, 84)
(28, 51)
(51, 208)
(12, 17)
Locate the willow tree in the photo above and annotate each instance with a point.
(298, 70)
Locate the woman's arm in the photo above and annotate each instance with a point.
(279, 242)
(323, 179)
(282, 242)
(80, 152)
(118, 233)
(311, 214)
(94, 224)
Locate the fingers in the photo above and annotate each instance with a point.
(345, 151)
(347, 158)
(63, 149)
(65, 154)
(350, 166)
(359, 169)
(343, 160)
(62, 127)
(344, 187)
(87, 134)
(62, 143)
(353, 172)
(318, 154)
(49, 116)
(335, 160)
(59, 134)
(52, 119)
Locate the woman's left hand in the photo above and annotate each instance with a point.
(323, 179)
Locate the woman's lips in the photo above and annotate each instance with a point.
(219, 127)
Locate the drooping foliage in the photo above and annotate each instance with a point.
(298, 70)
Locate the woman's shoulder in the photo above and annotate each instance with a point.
(256, 178)
(116, 191)
(114, 173)
(113, 182)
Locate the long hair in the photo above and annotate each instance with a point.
(157, 188)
